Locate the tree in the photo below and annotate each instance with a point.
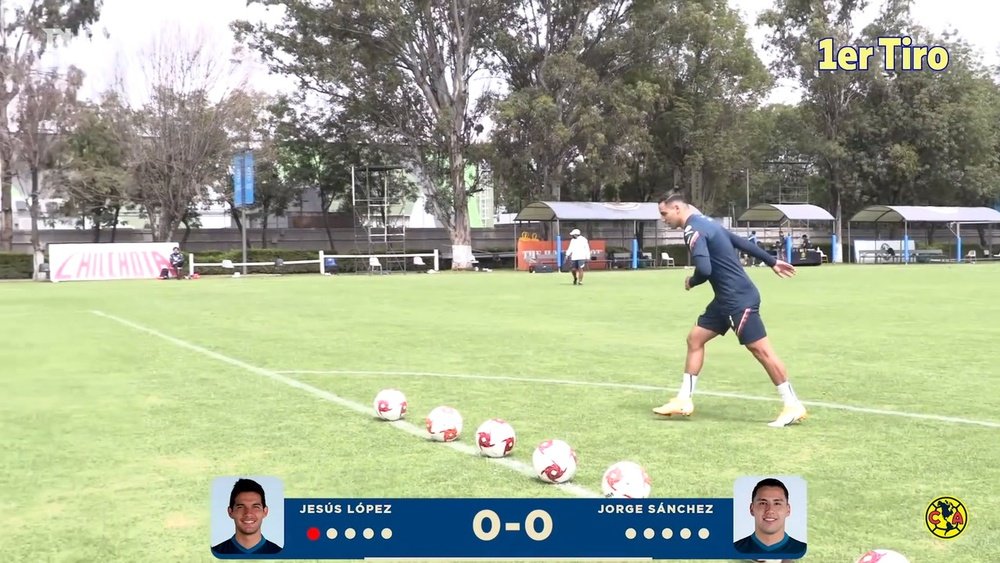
(314, 150)
(22, 42)
(926, 138)
(400, 71)
(254, 126)
(179, 141)
(570, 110)
(714, 80)
(92, 174)
(45, 107)
(781, 149)
(829, 98)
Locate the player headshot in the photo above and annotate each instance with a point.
(247, 508)
(736, 305)
(769, 506)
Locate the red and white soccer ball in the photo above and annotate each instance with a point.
(444, 424)
(390, 404)
(626, 479)
(554, 461)
(882, 556)
(495, 438)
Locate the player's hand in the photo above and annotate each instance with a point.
(687, 283)
(783, 269)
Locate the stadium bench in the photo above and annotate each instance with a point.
(927, 255)
(875, 255)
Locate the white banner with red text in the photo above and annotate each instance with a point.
(109, 261)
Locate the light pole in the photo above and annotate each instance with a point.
(748, 187)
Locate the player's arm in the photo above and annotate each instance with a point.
(752, 249)
(700, 258)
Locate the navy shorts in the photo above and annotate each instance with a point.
(579, 264)
(744, 321)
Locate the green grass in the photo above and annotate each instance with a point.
(111, 437)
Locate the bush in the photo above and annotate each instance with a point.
(16, 266)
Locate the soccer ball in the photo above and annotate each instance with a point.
(390, 404)
(554, 461)
(444, 424)
(626, 479)
(882, 556)
(495, 438)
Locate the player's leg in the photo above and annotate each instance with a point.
(752, 334)
(580, 266)
(709, 325)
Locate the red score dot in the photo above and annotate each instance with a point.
(312, 534)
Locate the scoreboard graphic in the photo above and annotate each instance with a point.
(501, 528)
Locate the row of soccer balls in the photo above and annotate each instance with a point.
(554, 461)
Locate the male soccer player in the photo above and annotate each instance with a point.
(247, 508)
(736, 305)
(769, 507)
(578, 252)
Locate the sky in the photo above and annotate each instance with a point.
(131, 25)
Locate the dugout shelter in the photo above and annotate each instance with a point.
(907, 216)
(624, 217)
(787, 216)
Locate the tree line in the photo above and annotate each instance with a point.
(592, 100)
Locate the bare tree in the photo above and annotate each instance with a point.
(178, 137)
(45, 110)
(22, 42)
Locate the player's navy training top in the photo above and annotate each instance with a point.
(713, 252)
(787, 547)
(232, 547)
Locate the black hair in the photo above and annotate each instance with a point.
(769, 482)
(246, 486)
(676, 197)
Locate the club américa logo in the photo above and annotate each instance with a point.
(946, 517)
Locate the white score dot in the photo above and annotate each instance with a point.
(703, 533)
(369, 533)
(648, 533)
(386, 533)
(630, 533)
(667, 533)
(685, 533)
(350, 533)
(331, 533)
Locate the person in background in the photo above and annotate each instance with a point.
(751, 261)
(177, 262)
(578, 253)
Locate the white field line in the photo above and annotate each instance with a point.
(639, 387)
(359, 408)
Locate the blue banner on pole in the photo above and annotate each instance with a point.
(243, 179)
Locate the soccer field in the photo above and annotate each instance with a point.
(123, 400)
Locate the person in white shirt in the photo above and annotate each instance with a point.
(578, 253)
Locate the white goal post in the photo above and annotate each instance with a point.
(320, 261)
